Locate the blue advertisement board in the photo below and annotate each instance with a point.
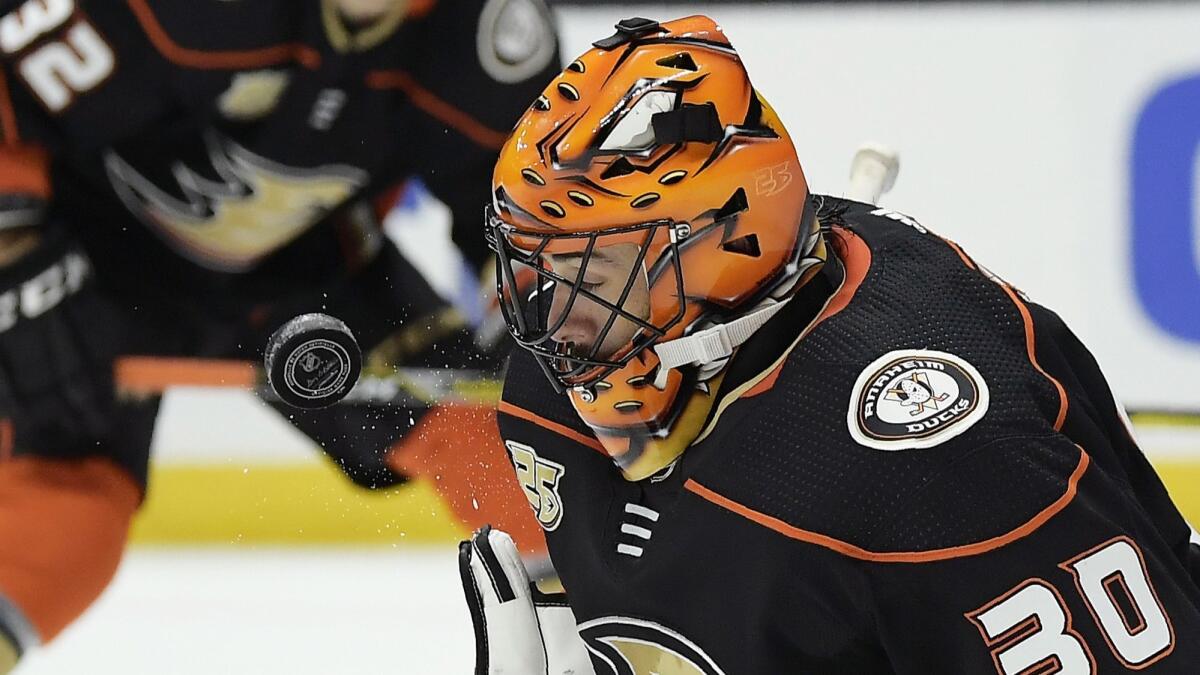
(1166, 241)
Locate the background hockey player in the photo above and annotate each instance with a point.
(780, 432)
(179, 178)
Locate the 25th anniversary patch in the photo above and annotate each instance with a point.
(915, 398)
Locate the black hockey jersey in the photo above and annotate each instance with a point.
(204, 151)
(936, 479)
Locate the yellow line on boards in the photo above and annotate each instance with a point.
(1164, 419)
(1183, 482)
(313, 504)
(301, 504)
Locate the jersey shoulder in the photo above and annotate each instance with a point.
(213, 34)
(528, 397)
(910, 415)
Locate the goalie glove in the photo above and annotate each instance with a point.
(518, 629)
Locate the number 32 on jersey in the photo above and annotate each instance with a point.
(1029, 628)
(58, 51)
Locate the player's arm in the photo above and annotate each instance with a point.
(64, 518)
(1068, 360)
(1082, 580)
(486, 61)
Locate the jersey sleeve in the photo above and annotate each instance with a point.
(66, 69)
(1088, 583)
(1100, 424)
(485, 62)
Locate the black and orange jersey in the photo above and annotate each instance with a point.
(911, 469)
(214, 147)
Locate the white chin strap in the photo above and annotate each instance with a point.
(716, 343)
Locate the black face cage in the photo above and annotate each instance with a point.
(526, 308)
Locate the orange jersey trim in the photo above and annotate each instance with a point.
(154, 374)
(6, 439)
(437, 108)
(933, 555)
(962, 254)
(25, 169)
(510, 409)
(856, 260)
(1030, 347)
(766, 384)
(419, 8)
(63, 529)
(219, 60)
(1030, 341)
(8, 116)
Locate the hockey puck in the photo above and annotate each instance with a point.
(312, 361)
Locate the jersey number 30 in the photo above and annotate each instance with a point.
(75, 61)
(1029, 628)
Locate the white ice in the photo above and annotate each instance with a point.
(179, 611)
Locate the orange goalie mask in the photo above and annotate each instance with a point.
(651, 155)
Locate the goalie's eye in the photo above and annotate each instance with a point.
(634, 132)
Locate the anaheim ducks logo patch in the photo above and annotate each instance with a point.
(915, 398)
(636, 647)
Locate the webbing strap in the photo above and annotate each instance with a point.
(712, 344)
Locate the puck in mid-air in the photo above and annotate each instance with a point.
(312, 361)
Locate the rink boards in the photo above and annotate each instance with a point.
(245, 477)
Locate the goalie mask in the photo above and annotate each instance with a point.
(649, 214)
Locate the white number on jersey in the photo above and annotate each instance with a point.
(1116, 587)
(59, 70)
(73, 63)
(1029, 627)
(20, 27)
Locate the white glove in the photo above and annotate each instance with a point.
(518, 629)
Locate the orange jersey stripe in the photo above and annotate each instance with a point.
(63, 529)
(25, 169)
(1030, 342)
(219, 60)
(6, 439)
(437, 108)
(8, 117)
(962, 254)
(155, 374)
(933, 555)
(510, 409)
(1030, 347)
(419, 8)
(856, 261)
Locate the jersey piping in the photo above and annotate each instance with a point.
(8, 117)
(1032, 350)
(219, 60)
(561, 430)
(933, 555)
(856, 260)
(1030, 340)
(435, 107)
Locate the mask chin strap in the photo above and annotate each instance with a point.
(711, 344)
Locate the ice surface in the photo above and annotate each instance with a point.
(298, 612)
